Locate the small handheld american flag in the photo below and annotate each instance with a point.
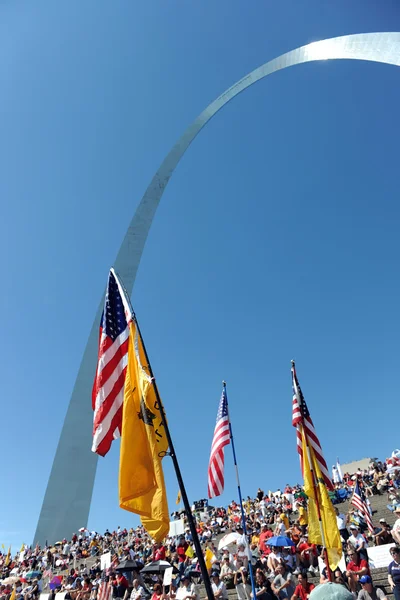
(301, 419)
(217, 456)
(358, 500)
(108, 387)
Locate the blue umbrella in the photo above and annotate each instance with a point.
(280, 540)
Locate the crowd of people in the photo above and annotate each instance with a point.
(280, 571)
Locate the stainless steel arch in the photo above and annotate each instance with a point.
(68, 495)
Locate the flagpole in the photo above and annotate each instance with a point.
(253, 587)
(171, 453)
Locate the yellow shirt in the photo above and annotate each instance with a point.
(285, 521)
(303, 518)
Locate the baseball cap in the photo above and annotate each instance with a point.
(365, 579)
(382, 520)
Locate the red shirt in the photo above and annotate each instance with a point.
(160, 554)
(302, 592)
(263, 538)
(361, 565)
(121, 580)
(309, 548)
(181, 552)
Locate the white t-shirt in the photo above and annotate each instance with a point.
(217, 588)
(358, 541)
(396, 526)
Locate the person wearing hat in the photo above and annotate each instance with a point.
(369, 591)
(358, 542)
(396, 526)
(218, 586)
(188, 589)
(383, 535)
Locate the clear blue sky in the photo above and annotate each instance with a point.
(277, 237)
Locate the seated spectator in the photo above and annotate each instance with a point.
(356, 568)
(383, 534)
(242, 586)
(358, 542)
(308, 555)
(303, 588)
(369, 591)
(263, 587)
(283, 584)
(218, 587)
(227, 571)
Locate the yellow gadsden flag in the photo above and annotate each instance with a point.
(8, 557)
(143, 444)
(178, 498)
(333, 542)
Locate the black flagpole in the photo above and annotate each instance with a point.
(171, 453)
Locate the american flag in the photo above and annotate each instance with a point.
(301, 419)
(220, 440)
(108, 387)
(359, 501)
(105, 588)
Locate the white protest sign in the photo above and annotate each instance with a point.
(176, 527)
(168, 576)
(44, 596)
(105, 561)
(379, 556)
(181, 593)
(60, 596)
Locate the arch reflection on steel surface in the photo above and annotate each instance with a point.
(69, 491)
